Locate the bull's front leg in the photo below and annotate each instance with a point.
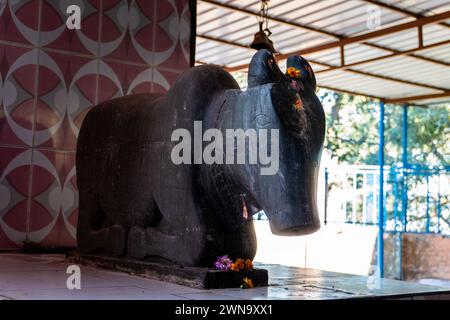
(91, 237)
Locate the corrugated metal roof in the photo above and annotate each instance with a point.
(225, 28)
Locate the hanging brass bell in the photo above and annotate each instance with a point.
(262, 41)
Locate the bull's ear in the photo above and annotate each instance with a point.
(300, 71)
(263, 69)
(289, 106)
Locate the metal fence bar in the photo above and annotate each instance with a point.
(364, 185)
(428, 204)
(381, 194)
(439, 205)
(355, 175)
(404, 166)
(325, 211)
(340, 195)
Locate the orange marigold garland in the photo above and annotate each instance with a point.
(248, 283)
(298, 104)
(224, 263)
(248, 264)
(293, 72)
(241, 264)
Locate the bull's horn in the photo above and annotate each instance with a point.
(263, 69)
(298, 69)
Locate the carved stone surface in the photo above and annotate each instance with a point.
(136, 202)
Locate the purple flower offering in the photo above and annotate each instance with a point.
(223, 263)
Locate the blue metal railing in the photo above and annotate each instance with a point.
(416, 198)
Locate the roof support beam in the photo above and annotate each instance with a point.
(400, 10)
(412, 83)
(353, 93)
(395, 54)
(375, 34)
(442, 63)
(420, 36)
(393, 8)
(417, 98)
(278, 20)
(230, 43)
(282, 21)
(373, 75)
(342, 41)
(366, 36)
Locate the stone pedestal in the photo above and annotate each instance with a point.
(205, 278)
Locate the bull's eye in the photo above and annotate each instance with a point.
(262, 120)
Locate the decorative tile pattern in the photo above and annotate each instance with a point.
(66, 90)
(51, 76)
(17, 90)
(54, 198)
(54, 33)
(19, 21)
(162, 80)
(117, 79)
(14, 188)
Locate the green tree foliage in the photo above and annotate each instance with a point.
(353, 124)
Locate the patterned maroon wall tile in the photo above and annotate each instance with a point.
(67, 88)
(54, 196)
(6, 242)
(177, 60)
(59, 236)
(19, 21)
(17, 80)
(118, 79)
(126, 32)
(70, 208)
(142, 28)
(14, 184)
(123, 47)
(55, 34)
(173, 29)
(162, 79)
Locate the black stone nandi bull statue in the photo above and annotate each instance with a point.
(136, 202)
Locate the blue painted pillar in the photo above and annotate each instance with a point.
(325, 213)
(380, 255)
(439, 204)
(428, 202)
(404, 216)
(404, 166)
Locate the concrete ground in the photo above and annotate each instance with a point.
(25, 276)
(342, 248)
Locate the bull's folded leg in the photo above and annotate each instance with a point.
(91, 237)
(116, 240)
(136, 245)
(151, 242)
(161, 244)
(111, 240)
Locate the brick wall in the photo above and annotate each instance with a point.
(51, 76)
(426, 256)
(423, 256)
